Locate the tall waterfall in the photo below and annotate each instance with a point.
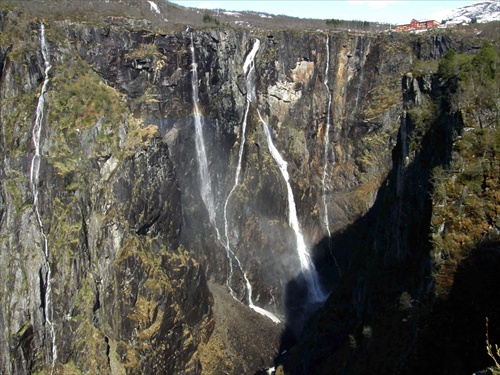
(34, 179)
(316, 295)
(249, 70)
(249, 62)
(201, 155)
(326, 140)
(205, 186)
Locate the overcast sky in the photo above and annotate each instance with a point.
(389, 11)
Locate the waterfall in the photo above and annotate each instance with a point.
(316, 295)
(249, 70)
(154, 7)
(205, 185)
(201, 156)
(326, 140)
(258, 309)
(34, 180)
(250, 98)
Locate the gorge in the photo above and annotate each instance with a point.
(184, 199)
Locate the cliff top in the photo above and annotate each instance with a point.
(166, 15)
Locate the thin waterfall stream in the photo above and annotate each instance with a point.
(249, 70)
(316, 294)
(34, 180)
(326, 140)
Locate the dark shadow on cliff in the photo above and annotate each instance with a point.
(368, 323)
(453, 336)
(332, 257)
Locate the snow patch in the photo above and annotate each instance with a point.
(243, 23)
(486, 11)
(235, 14)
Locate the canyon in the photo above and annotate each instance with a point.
(178, 199)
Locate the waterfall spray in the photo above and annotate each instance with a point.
(316, 295)
(326, 140)
(201, 156)
(205, 185)
(34, 180)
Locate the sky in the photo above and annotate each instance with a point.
(387, 11)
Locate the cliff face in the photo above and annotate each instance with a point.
(154, 72)
(108, 250)
(422, 280)
(122, 294)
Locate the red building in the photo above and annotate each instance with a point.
(417, 25)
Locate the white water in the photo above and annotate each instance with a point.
(326, 140)
(34, 179)
(258, 309)
(249, 62)
(154, 7)
(249, 70)
(316, 295)
(205, 185)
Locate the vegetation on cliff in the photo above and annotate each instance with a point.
(466, 198)
(427, 252)
(411, 180)
(125, 293)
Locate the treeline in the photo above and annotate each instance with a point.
(207, 18)
(357, 25)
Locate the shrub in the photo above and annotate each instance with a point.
(207, 18)
(489, 348)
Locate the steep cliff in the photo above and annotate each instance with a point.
(96, 278)
(137, 164)
(425, 275)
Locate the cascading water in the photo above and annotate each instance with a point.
(205, 185)
(249, 70)
(326, 140)
(201, 156)
(154, 7)
(250, 98)
(248, 286)
(34, 179)
(309, 272)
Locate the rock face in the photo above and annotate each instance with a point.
(130, 241)
(418, 251)
(125, 296)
